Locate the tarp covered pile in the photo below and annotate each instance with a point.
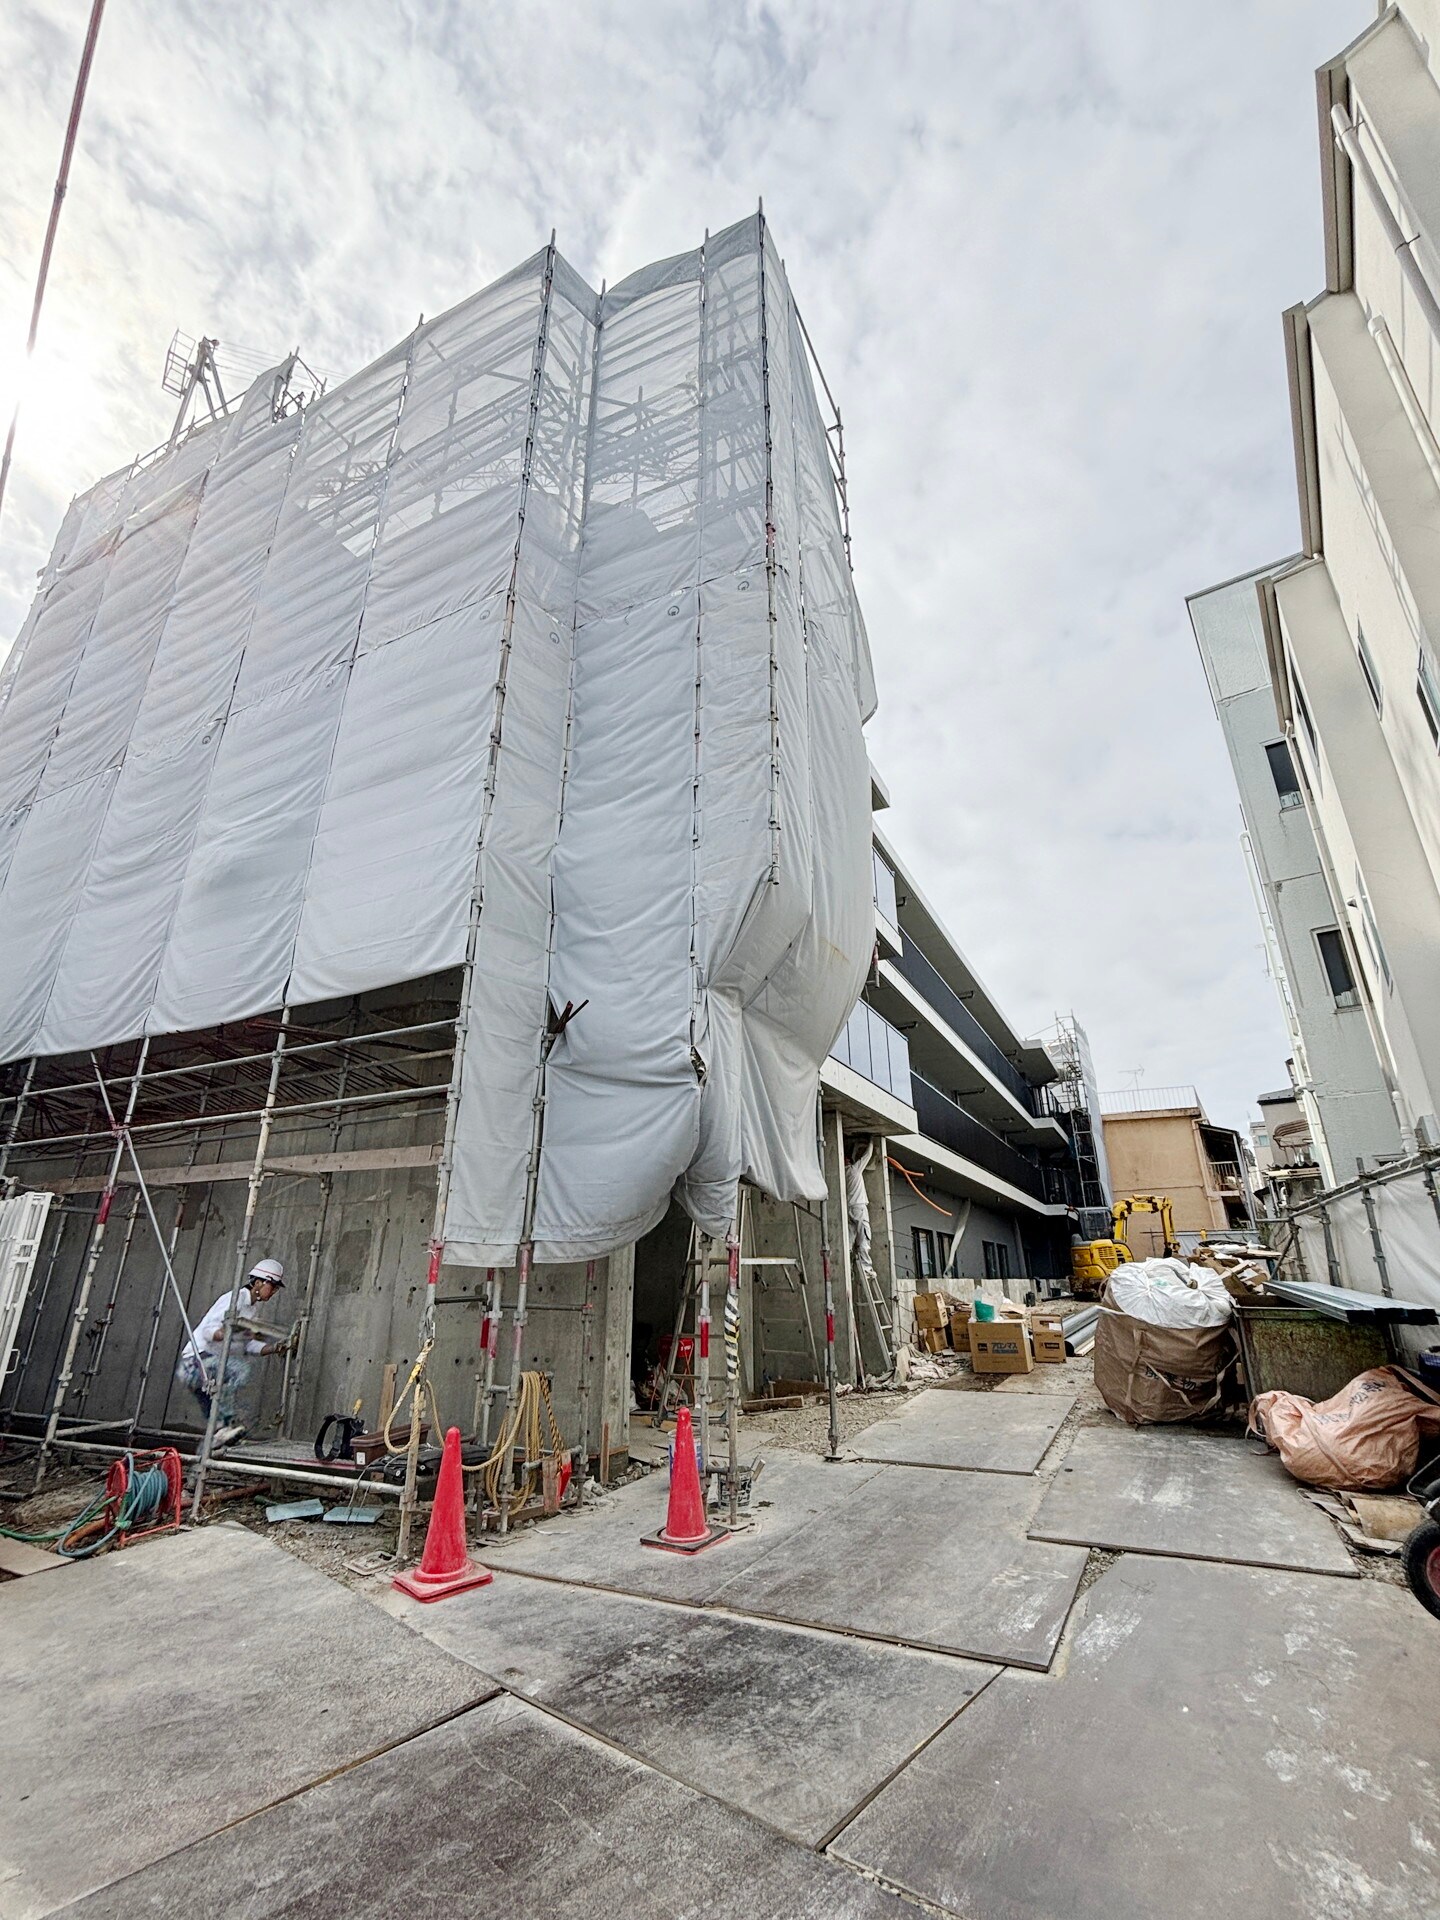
(548, 607)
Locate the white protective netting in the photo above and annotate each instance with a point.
(549, 607)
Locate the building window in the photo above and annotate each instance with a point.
(1367, 667)
(1282, 772)
(1372, 930)
(997, 1259)
(932, 1252)
(1428, 694)
(1336, 963)
(1306, 722)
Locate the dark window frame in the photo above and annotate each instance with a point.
(1335, 964)
(1283, 769)
(996, 1255)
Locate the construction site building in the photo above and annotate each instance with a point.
(1159, 1141)
(439, 856)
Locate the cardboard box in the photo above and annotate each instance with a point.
(1000, 1346)
(1047, 1339)
(933, 1339)
(929, 1311)
(960, 1329)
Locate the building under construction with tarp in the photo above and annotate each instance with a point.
(435, 851)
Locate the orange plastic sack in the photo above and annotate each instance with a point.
(1366, 1437)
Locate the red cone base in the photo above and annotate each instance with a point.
(686, 1530)
(445, 1566)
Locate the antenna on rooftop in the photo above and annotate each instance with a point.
(190, 369)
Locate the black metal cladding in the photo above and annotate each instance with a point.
(947, 1003)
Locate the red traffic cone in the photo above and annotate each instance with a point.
(445, 1566)
(686, 1529)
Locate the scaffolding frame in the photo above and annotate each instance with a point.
(207, 1085)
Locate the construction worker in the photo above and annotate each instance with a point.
(200, 1359)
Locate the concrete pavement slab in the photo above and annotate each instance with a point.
(601, 1547)
(1206, 1496)
(503, 1811)
(155, 1694)
(938, 1560)
(790, 1726)
(977, 1432)
(1214, 1739)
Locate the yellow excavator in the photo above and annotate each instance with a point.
(1093, 1261)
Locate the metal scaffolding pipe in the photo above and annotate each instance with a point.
(92, 1261)
(242, 1254)
(244, 1059)
(258, 1113)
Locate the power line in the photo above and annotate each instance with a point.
(62, 180)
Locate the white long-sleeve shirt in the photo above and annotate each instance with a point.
(210, 1332)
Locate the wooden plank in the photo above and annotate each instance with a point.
(18, 1557)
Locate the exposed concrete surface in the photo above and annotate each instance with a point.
(1204, 1495)
(792, 1727)
(601, 1547)
(1220, 1739)
(979, 1432)
(152, 1695)
(504, 1811)
(936, 1560)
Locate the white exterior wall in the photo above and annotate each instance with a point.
(1368, 406)
(1345, 1099)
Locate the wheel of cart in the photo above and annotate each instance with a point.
(1422, 1549)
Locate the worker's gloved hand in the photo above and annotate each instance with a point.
(279, 1346)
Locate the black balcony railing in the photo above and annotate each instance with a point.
(954, 1012)
(942, 1120)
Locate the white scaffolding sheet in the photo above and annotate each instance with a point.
(547, 609)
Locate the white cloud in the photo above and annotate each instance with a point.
(1042, 253)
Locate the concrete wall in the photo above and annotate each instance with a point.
(368, 1283)
(975, 1224)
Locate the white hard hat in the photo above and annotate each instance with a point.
(270, 1270)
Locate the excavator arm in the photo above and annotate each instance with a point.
(1145, 1203)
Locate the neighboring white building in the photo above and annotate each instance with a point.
(1353, 626)
(1338, 1079)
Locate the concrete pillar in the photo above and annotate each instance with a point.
(898, 1292)
(616, 1310)
(840, 1247)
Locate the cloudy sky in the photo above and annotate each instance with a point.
(1042, 252)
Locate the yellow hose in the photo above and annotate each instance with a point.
(521, 1427)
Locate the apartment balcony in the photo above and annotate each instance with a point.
(1225, 1176)
(871, 1047)
(939, 994)
(943, 1121)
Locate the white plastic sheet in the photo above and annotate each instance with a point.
(549, 609)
